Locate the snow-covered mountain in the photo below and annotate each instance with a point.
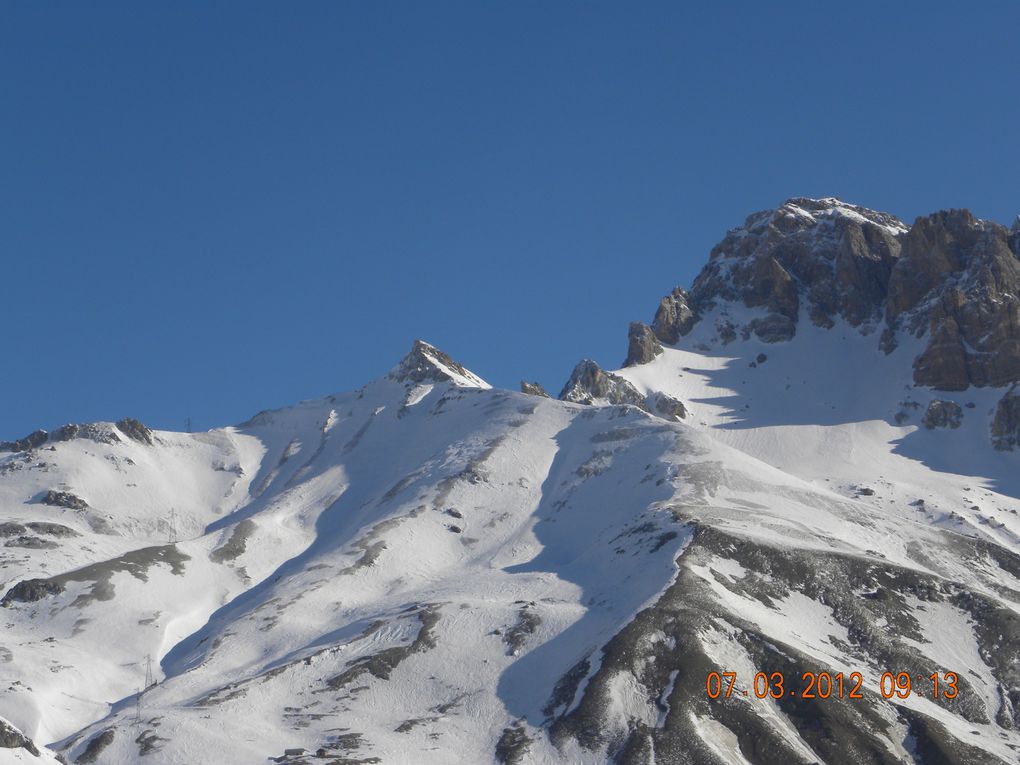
(808, 464)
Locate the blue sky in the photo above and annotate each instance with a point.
(211, 208)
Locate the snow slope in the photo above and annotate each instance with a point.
(429, 570)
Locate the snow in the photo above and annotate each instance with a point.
(486, 542)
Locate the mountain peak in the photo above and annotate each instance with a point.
(426, 363)
(799, 214)
(949, 276)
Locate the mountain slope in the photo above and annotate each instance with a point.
(429, 570)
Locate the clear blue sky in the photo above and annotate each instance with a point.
(211, 208)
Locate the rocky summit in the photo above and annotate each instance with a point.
(785, 530)
(949, 279)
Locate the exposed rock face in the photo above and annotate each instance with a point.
(590, 384)
(95, 747)
(99, 432)
(64, 499)
(643, 345)
(65, 433)
(674, 318)
(774, 328)
(958, 279)
(31, 590)
(942, 414)
(950, 278)
(533, 389)
(135, 430)
(426, 363)
(12, 738)
(1006, 422)
(31, 441)
(668, 407)
(831, 258)
(830, 730)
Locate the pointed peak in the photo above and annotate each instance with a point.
(426, 363)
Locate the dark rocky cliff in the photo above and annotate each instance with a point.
(949, 278)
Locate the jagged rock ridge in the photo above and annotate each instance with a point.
(949, 278)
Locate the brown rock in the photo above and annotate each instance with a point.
(533, 389)
(831, 258)
(668, 407)
(590, 384)
(958, 280)
(674, 317)
(135, 430)
(643, 346)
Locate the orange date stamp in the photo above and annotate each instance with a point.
(828, 685)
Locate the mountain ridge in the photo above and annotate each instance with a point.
(428, 569)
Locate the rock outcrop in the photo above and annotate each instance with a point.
(1006, 421)
(66, 499)
(425, 363)
(590, 384)
(674, 318)
(12, 738)
(950, 278)
(942, 414)
(32, 441)
(826, 257)
(100, 432)
(668, 407)
(533, 389)
(958, 281)
(31, 590)
(643, 346)
(135, 430)
(95, 747)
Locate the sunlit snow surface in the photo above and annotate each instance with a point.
(406, 571)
